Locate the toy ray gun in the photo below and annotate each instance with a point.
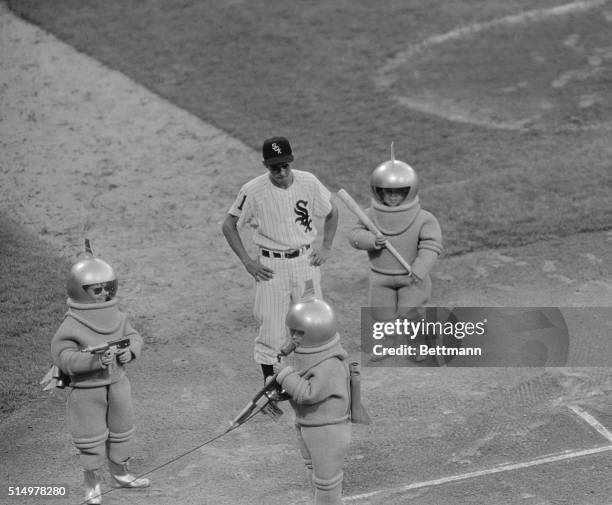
(113, 345)
(265, 399)
(262, 401)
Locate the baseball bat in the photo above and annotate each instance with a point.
(362, 216)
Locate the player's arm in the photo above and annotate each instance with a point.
(69, 358)
(330, 226)
(230, 231)
(134, 350)
(360, 237)
(429, 247)
(315, 386)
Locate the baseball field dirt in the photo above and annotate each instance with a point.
(87, 152)
(501, 106)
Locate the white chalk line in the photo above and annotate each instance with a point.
(385, 78)
(594, 423)
(464, 31)
(506, 467)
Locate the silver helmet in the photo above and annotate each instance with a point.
(88, 271)
(394, 174)
(315, 318)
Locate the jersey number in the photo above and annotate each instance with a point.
(242, 202)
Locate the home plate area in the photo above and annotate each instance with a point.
(530, 443)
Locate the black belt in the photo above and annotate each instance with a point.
(292, 253)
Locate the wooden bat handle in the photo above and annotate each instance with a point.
(354, 207)
(363, 217)
(398, 256)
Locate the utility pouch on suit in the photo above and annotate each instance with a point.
(359, 414)
(55, 378)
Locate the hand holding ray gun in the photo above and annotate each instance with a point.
(113, 345)
(112, 350)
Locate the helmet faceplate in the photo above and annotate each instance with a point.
(86, 272)
(394, 174)
(315, 318)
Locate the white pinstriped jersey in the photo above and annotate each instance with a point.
(282, 218)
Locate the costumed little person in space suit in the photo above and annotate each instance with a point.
(319, 387)
(99, 409)
(415, 233)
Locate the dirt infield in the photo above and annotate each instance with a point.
(248, 70)
(87, 152)
(556, 82)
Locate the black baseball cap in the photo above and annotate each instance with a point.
(276, 150)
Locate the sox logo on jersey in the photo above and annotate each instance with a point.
(303, 218)
(282, 220)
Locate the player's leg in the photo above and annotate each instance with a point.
(305, 456)
(272, 300)
(382, 297)
(268, 370)
(383, 307)
(121, 427)
(328, 446)
(300, 272)
(86, 415)
(412, 297)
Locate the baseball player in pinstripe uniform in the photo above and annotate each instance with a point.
(280, 206)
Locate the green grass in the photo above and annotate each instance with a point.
(305, 70)
(32, 305)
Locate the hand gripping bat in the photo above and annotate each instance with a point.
(367, 222)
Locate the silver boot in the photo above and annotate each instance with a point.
(93, 493)
(123, 478)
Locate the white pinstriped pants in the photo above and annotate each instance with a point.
(273, 299)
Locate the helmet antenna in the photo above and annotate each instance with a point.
(309, 292)
(88, 247)
(392, 154)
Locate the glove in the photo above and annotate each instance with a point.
(380, 241)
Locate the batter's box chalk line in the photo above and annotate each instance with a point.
(505, 467)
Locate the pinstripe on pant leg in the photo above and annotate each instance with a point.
(303, 271)
(272, 301)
